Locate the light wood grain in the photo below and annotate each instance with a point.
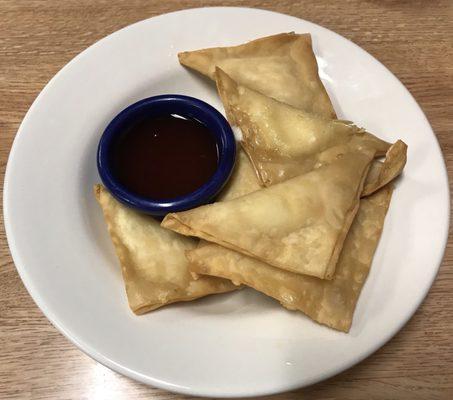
(412, 38)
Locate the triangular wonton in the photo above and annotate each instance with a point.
(298, 225)
(328, 302)
(153, 261)
(282, 141)
(280, 66)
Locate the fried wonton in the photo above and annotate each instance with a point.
(298, 225)
(331, 303)
(282, 141)
(280, 66)
(153, 261)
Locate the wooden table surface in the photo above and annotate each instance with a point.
(414, 39)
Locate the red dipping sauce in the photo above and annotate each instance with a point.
(165, 157)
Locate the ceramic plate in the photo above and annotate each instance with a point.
(238, 344)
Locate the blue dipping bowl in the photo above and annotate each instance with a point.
(185, 106)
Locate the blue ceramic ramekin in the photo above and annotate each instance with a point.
(185, 106)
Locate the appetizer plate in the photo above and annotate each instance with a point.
(238, 344)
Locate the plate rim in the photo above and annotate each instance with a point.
(162, 384)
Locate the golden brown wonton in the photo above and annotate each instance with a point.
(153, 261)
(280, 66)
(298, 225)
(331, 303)
(282, 141)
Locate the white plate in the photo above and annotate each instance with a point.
(236, 344)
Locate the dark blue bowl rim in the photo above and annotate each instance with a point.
(225, 142)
